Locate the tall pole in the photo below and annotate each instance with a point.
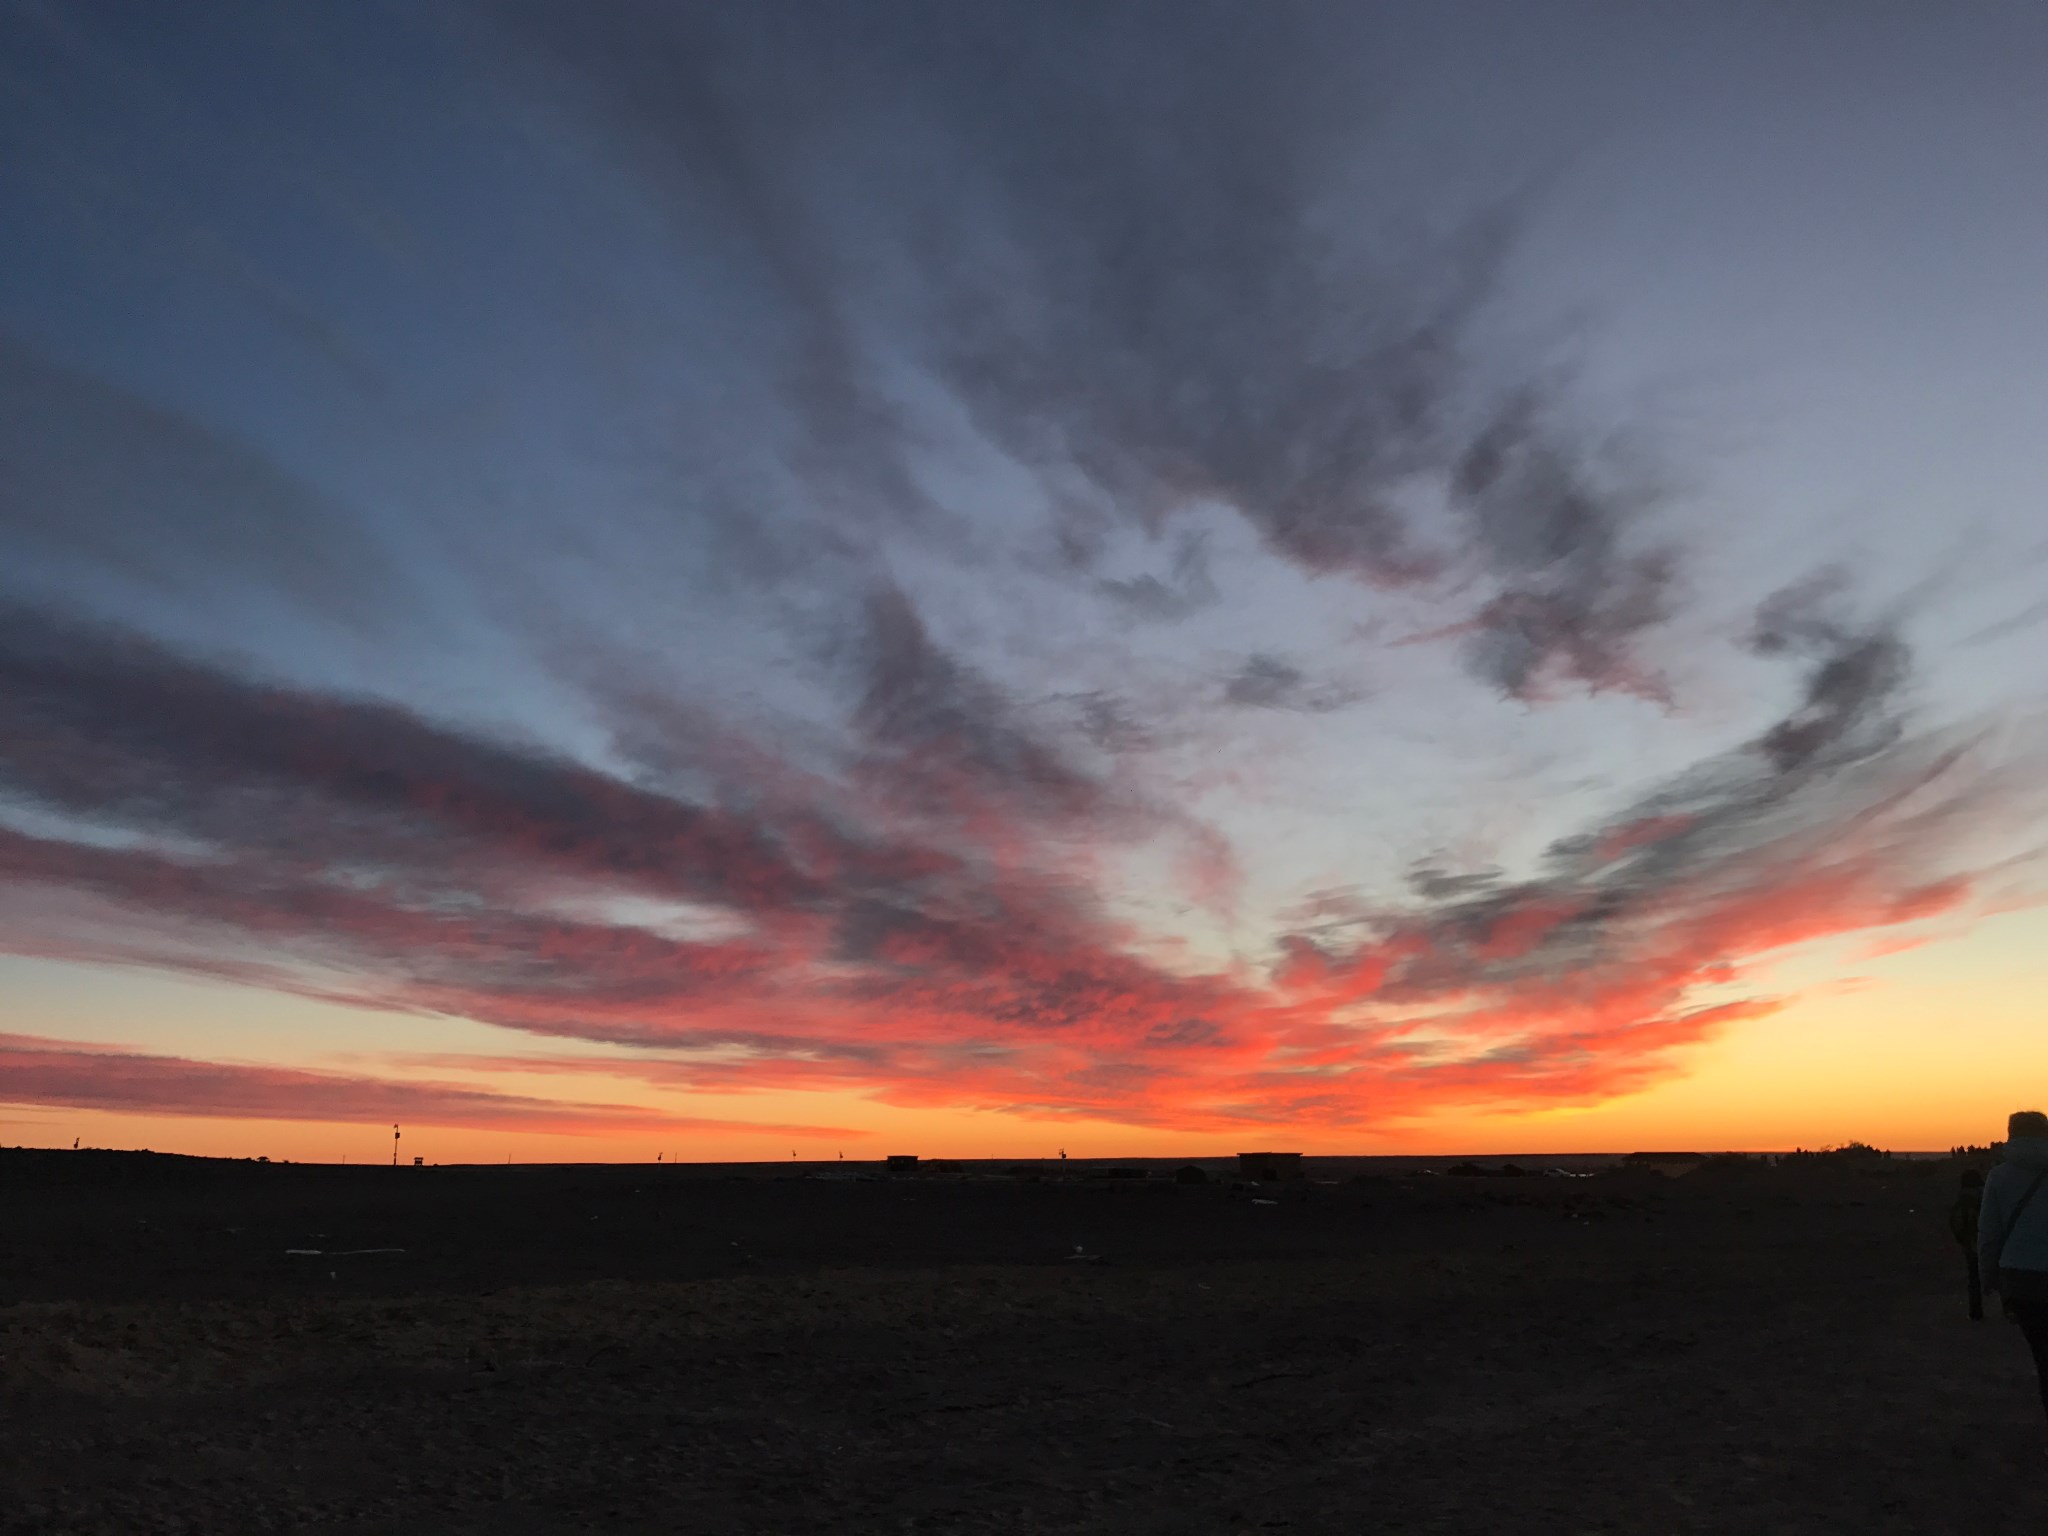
(394, 1146)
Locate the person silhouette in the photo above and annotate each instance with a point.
(2012, 1233)
(1962, 1223)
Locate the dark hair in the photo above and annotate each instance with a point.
(2026, 1122)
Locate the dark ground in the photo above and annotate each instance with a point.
(1770, 1350)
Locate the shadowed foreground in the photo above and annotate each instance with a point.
(1740, 1349)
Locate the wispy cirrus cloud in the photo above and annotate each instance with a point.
(1647, 931)
(1124, 246)
(938, 733)
(350, 849)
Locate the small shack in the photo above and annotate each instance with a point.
(1269, 1167)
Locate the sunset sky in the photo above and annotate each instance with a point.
(723, 580)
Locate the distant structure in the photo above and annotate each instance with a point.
(909, 1164)
(1270, 1167)
(1852, 1152)
(1673, 1165)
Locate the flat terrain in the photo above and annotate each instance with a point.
(1743, 1349)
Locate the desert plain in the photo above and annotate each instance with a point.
(1382, 1345)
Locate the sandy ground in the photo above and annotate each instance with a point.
(1739, 1351)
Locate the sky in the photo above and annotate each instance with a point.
(736, 582)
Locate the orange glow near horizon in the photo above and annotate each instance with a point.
(1842, 1063)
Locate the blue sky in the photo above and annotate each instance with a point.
(1101, 564)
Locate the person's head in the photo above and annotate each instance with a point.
(1973, 1178)
(2026, 1122)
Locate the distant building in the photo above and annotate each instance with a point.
(902, 1162)
(1269, 1167)
(1673, 1165)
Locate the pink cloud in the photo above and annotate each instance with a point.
(113, 1078)
(950, 952)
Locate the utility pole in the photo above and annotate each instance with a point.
(394, 1146)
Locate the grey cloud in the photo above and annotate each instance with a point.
(265, 834)
(115, 729)
(734, 119)
(1269, 682)
(1124, 239)
(1433, 882)
(1853, 678)
(1188, 587)
(1110, 724)
(95, 480)
(1189, 1032)
(1575, 598)
(2026, 618)
(941, 730)
(1839, 800)
(1263, 682)
(945, 743)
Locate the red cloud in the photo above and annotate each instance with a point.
(350, 850)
